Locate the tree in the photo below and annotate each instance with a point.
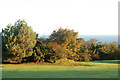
(19, 40)
(40, 50)
(93, 46)
(84, 53)
(63, 36)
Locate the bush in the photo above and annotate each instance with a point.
(67, 62)
(57, 52)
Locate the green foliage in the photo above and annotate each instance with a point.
(83, 53)
(63, 36)
(56, 52)
(40, 50)
(20, 44)
(19, 40)
(63, 42)
(109, 51)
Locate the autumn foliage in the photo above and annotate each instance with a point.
(21, 44)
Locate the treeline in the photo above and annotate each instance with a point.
(20, 44)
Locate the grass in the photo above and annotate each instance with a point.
(97, 69)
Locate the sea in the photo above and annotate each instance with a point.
(100, 38)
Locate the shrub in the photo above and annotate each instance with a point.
(57, 52)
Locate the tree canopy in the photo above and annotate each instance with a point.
(21, 44)
(19, 40)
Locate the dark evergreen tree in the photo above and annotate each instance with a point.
(40, 51)
(19, 41)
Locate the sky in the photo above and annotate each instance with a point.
(88, 17)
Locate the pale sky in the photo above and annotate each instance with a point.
(88, 17)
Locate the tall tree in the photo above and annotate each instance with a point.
(19, 40)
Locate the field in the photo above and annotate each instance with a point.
(96, 69)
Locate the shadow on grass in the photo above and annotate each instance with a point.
(113, 62)
(59, 74)
(107, 61)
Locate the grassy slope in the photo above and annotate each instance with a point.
(104, 69)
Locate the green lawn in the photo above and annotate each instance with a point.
(97, 69)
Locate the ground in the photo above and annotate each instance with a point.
(96, 69)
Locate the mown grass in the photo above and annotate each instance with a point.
(97, 69)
